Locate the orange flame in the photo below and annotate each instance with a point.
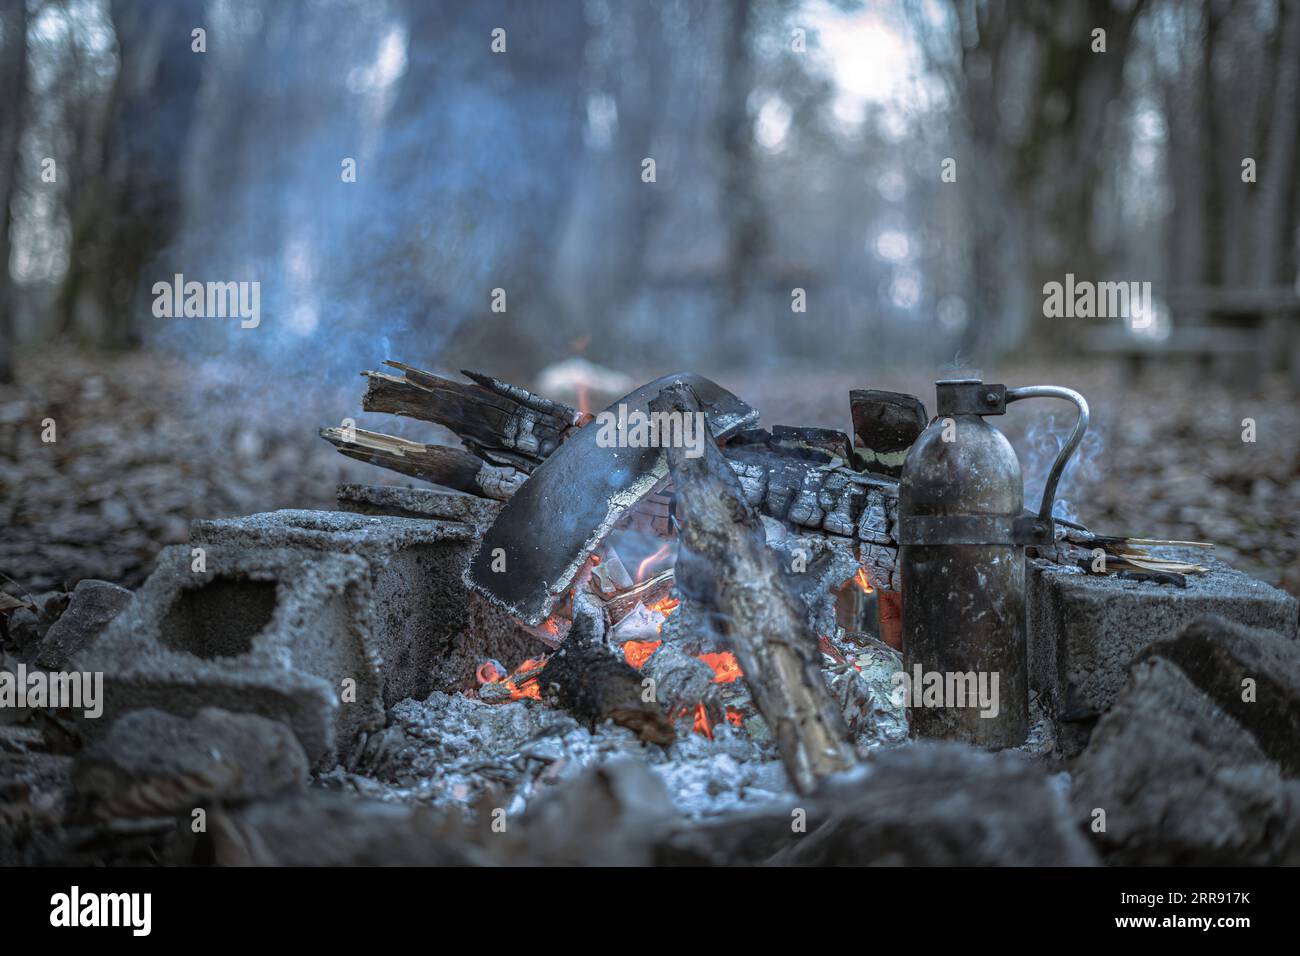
(860, 579)
(665, 605)
(644, 565)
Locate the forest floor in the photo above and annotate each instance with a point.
(143, 444)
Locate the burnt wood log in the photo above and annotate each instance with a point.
(594, 684)
(726, 568)
(884, 426)
(441, 464)
(501, 423)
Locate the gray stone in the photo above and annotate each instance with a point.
(1219, 657)
(418, 503)
(28, 625)
(420, 607)
(1085, 630)
(151, 763)
(35, 792)
(1180, 782)
(93, 605)
(274, 632)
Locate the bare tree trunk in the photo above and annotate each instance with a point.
(127, 218)
(1274, 213)
(743, 209)
(13, 77)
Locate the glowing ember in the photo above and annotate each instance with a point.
(702, 722)
(637, 653)
(490, 672)
(522, 683)
(664, 606)
(725, 667)
(860, 579)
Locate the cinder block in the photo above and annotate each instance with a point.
(418, 503)
(274, 632)
(420, 601)
(1085, 629)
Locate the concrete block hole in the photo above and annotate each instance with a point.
(219, 618)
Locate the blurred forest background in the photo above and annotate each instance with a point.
(798, 144)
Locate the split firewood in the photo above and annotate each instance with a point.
(503, 424)
(726, 568)
(441, 464)
(1077, 545)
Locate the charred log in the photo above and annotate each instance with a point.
(501, 423)
(441, 464)
(586, 678)
(725, 566)
(884, 426)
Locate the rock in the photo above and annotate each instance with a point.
(92, 606)
(1219, 656)
(152, 763)
(1181, 782)
(943, 804)
(28, 625)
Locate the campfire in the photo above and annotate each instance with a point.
(749, 587)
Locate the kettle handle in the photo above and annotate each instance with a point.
(1063, 458)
